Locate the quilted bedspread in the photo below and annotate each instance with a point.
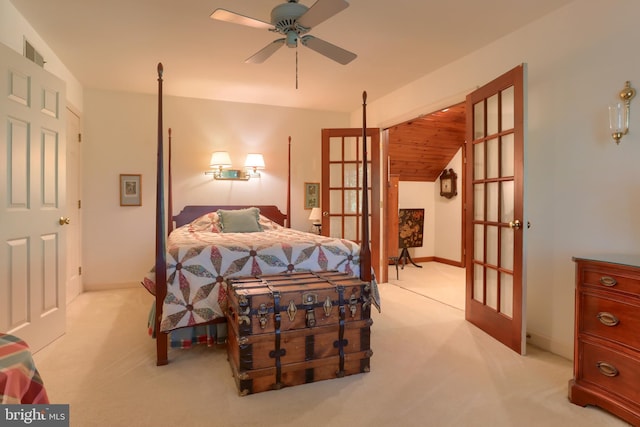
(200, 258)
(20, 381)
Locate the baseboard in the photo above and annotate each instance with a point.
(448, 262)
(110, 286)
(432, 259)
(547, 344)
(423, 259)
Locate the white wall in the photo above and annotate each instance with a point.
(442, 216)
(14, 29)
(583, 191)
(448, 217)
(419, 195)
(121, 137)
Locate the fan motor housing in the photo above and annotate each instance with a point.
(284, 17)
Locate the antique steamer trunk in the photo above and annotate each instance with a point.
(297, 328)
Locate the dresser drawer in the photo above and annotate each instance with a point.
(615, 372)
(610, 317)
(612, 279)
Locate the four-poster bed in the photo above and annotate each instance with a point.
(207, 249)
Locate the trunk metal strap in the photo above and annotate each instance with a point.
(278, 352)
(341, 322)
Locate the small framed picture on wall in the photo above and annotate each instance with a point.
(130, 190)
(311, 195)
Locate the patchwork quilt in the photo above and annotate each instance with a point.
(20, 381)
(200, 257)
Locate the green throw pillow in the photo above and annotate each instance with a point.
(240, 221)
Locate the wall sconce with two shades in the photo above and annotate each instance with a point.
(619, 113)
(221, 167)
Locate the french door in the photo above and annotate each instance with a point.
(495, 295)
(341, 186)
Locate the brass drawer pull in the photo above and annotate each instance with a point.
(607, 318)
(608, 281)
(607, 369)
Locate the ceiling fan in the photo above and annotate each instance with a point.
(294, 21)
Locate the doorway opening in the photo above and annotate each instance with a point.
(417, 152)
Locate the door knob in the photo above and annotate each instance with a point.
(64, 220)
(325, 213)
(516, 224)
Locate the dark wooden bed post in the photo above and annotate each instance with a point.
(169, 190)
(161, 261)
(365, 251)
(289, 188)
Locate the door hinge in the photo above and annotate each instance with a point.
(79, 271)
(79, 137)
(79, 204)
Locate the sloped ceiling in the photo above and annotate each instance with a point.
(421, 148)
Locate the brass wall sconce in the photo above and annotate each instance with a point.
(619, 113)
(221, 167)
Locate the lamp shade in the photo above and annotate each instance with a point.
(220, 159)
(315, 216)
(618, 117)
(254, 161)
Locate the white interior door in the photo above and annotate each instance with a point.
(73, 209)
(32, 195)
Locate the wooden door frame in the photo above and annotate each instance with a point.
(384, 144)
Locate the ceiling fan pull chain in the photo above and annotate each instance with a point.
(296, 69)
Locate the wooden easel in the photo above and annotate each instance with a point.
(404, 257)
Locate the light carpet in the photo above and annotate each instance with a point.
(440, 282)
(429, 368)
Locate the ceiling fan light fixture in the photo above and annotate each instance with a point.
(292, 39)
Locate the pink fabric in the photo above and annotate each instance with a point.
(20, 381)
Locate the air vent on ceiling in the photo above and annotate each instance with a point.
(31, 53)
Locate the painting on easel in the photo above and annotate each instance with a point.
(411, 226)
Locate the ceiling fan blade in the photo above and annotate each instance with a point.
(236, 18)
(329, 50)
(265, 52)
(320, 11)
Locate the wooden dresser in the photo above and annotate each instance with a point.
(606, 367)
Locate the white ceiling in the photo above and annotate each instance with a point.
(117, 44)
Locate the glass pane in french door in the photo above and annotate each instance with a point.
(493, 202)
(345, 187)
